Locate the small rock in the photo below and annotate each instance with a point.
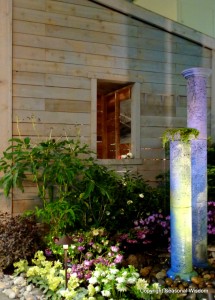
(161, 282)
(7, 292)
(177, 279)
(169, 281)
(19, 281)
(30, 297)
(12, 295)
(16, 289)
(161, 275)
(2, 285)
(145, 271)
(29, 288)
(196, 280)
(185, 284)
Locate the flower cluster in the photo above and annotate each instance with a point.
(45, 274)
(105, 281)
(88, 248)
(111, 282)
(128, 155)
(146, 231)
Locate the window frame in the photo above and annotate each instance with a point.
(135, 121)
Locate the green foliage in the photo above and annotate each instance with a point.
(75, 191)
(56, 167)
(105, 282)
(211, 171)
(182, 134)
(19, 238)
(135, 198)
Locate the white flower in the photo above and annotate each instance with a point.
(141, 284)
(113, 271)
(131, 280)
(105, 293)
(120, 279)
(129, 202)
(123, 156)
(92, 280)
(121, 287)
(97, 288)
(110, 276)
(141, 195)
(96, 273)
(129, 155)
(105, 280)
(156, 286)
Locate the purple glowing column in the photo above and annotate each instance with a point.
(197, 118)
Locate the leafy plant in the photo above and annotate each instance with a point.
(135, 198)
(20, 238)
(113, 201)
(182, 134)
(55, 167)
(105, 281)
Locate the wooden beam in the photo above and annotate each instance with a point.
(146, 16)
(5, 84)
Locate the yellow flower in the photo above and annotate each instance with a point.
(73, 282)
(91, 290)
(54, 282)
(33, 271)
(95, 232)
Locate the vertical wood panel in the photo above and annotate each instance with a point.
(135, 120)
(93, 119)
(5, 83)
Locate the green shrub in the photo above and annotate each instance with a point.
(76, 192)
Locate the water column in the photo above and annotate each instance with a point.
(181, 210)
(197, 118)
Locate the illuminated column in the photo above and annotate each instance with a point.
(197, 118)
(181, 210)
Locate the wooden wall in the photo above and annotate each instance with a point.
(59, 46)
(5, 85)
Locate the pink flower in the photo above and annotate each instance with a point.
(118, 259)
(114, 248)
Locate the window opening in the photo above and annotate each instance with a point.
(113, 119)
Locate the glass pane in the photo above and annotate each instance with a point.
(125, 126)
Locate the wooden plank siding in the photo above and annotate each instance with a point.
(5, 85)
(62, 47)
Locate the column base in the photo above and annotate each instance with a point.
(183, 276)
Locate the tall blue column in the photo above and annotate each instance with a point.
(197, 118)
(181, 210)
